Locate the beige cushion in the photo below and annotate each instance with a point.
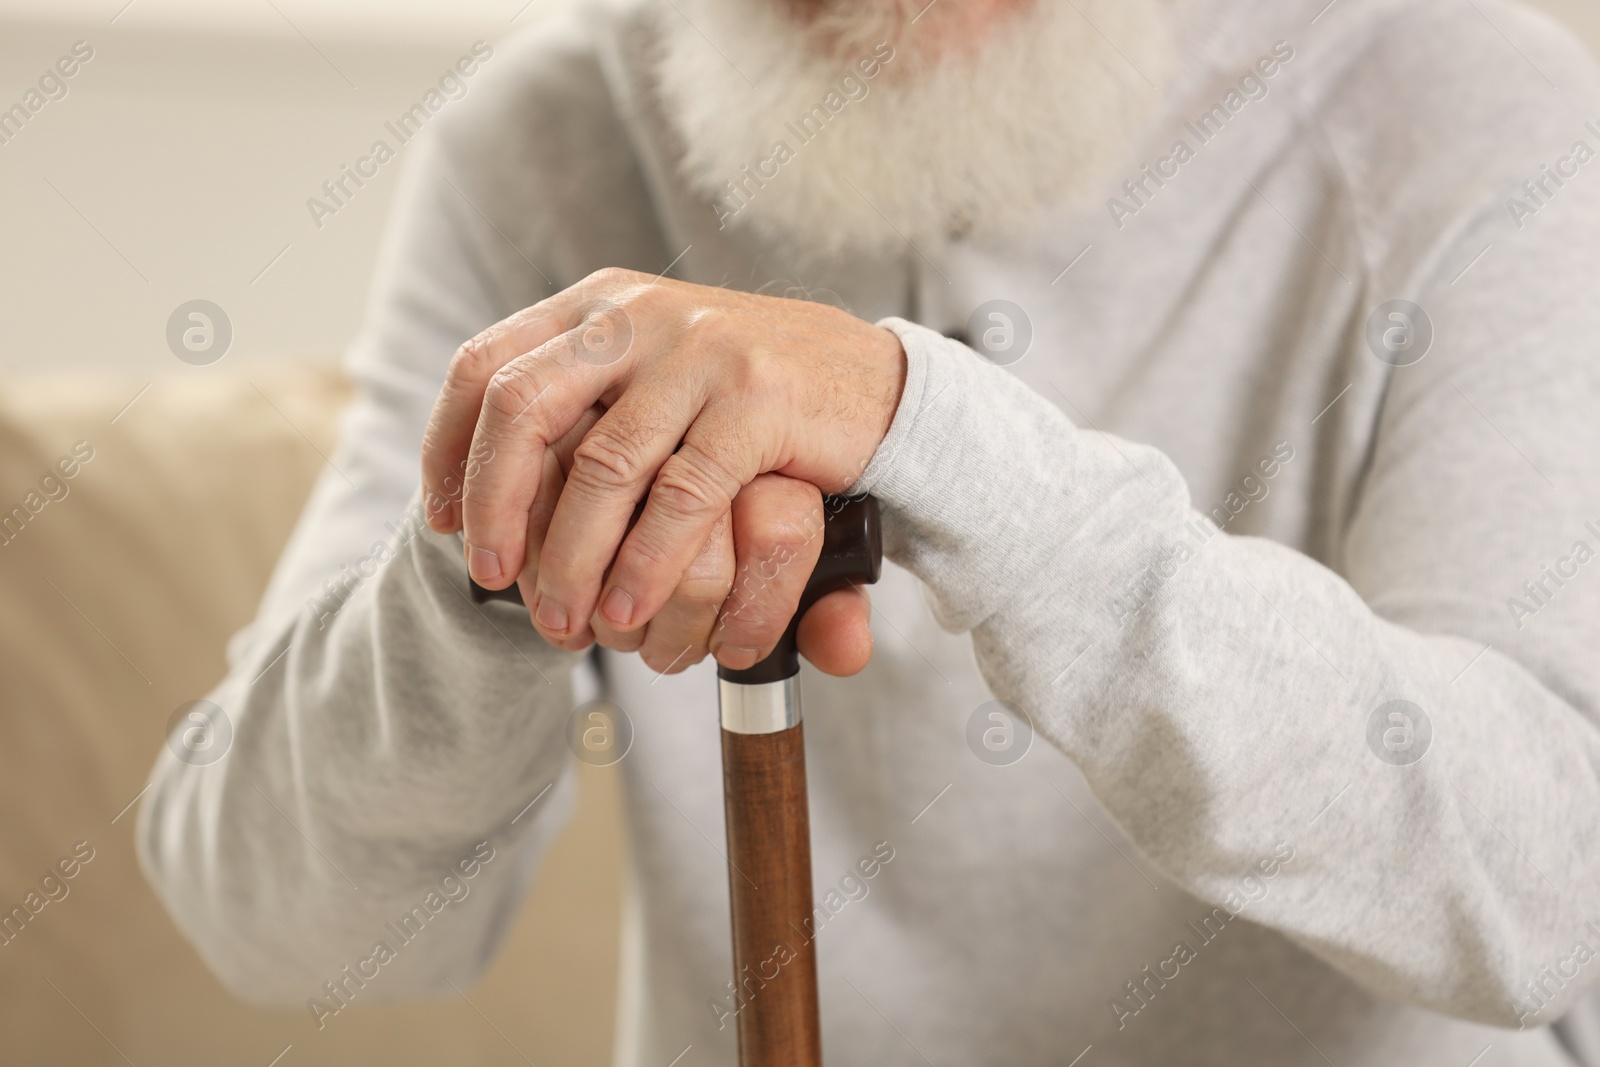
(118, 599)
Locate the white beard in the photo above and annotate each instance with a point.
(949, 138)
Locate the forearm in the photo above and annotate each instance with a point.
(380, 734)
(1216, 691)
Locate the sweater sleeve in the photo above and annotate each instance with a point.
(1224, 694)
(392, 756)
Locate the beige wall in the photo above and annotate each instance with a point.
(1581, 15)
(179, 165)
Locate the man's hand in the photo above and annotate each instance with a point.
(719, 410)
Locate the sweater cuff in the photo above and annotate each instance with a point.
(974, 477)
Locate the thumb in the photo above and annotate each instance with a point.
(834, 635)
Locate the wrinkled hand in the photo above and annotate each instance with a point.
(721, 412)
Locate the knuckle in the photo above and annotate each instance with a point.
(699, 592)
(607, 460)
(610, 279)
(534, 316)
(435, 442)
(512, 391)
(479, 499)
(754, 371)
(714, 564)
(754, 605)
(643, 556)
(474, 360)
(776, 539)
(694, 482)
(557, 574)
(708, 327)
(758, 613)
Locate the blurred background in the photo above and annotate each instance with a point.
(180, 162)
(177, 167)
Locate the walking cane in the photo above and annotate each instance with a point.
(768, 819)
(769, 823)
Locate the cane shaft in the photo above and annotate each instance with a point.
(769, 879)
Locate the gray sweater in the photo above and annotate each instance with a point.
(1292, 604)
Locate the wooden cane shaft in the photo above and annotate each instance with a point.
(769, 878)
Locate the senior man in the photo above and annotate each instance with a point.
(1225, 369)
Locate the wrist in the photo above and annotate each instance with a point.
(890, 358)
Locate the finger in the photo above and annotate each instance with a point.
(606, 637)
(836, 635)
(529, 403)
(448, 437)
(679, 635)
(594, 308)
(777, 537)
(557, 461)
(538, 519)
(720, 455)
(612, 471)
(610, 637)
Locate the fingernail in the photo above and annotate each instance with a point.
(618, 606)
(483, 565)
(738, 658)
(551, 616)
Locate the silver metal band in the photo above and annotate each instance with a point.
(769, 708)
